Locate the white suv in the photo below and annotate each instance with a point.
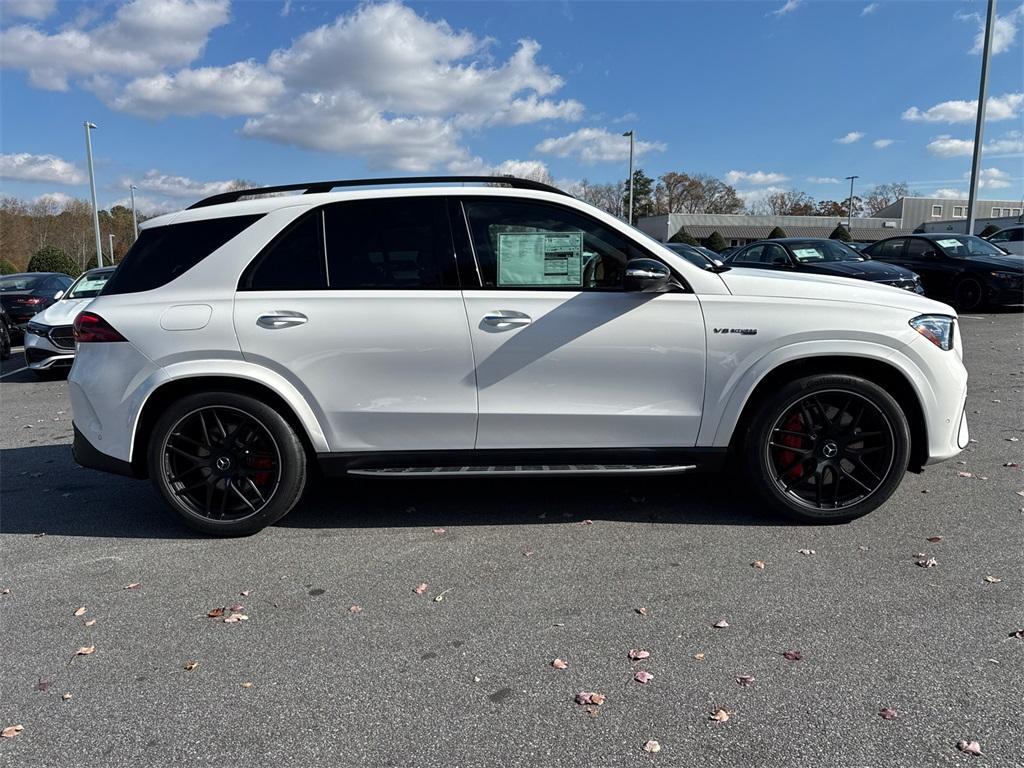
(504, 328)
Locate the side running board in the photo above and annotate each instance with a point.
(532, 470)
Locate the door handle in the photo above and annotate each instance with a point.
(503, 319)
(281, 319)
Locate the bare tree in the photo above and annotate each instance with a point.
(700, 193)
(885, 195)
(786, 202)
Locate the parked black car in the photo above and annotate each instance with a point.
(821, 257)
(5, 335)
(23, 295)
(703, 257)
(962, 269)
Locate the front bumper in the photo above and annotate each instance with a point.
(86, 454)
(41, 354)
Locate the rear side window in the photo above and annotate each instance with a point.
(890, 249)
(293, 261)
(162, 254)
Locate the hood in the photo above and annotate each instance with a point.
(863, 270)
(801, 285)
(1010, 262)
(61, 313)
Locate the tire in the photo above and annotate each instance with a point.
(827, 448)
(968, 294)
(227, 464)
(5, 342)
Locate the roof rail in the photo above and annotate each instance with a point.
(314, 187)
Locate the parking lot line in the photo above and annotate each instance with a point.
(11, 373)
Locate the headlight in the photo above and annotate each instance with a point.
(38, 329)
(938, 329)
(1005, 275)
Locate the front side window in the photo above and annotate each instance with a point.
(890, 249)
(751, 255)
(522, 244)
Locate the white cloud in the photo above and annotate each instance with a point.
(58, 200)
(882, 143)
(143, 37)
(28, 9)
(788, 7)
(869, 9)
(754, 177)
(1004, 32)
(168, 185)
(949, 194)
(596, 145)
(1007, 145)
(1005, 107)
(49, 168)
(991, 178)
(822, 179)
(145, 205)
(751, 197)
(850, 138)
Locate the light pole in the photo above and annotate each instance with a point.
(135, 218)
(979, 126)
(92, 188)
(631, 139)
(111, 236)
(849, 205)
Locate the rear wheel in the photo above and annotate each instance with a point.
(5, 341)
(968, 294)
(828, 448)
(226, 463)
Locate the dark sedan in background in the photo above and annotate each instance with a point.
(702, 257)
(965, 270)
(821, 257)
(28, 293)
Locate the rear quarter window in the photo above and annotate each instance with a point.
(162, 254)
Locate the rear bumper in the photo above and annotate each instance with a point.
(87, 456)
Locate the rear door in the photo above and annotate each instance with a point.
(565, 357)
(357, 303)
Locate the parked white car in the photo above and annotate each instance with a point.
(1010, 239)
(49, 337)
(444, 330)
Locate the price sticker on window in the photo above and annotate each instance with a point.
(540, 258)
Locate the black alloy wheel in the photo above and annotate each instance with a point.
(829, 448)
(968, 294)
(5, 342)
(227, 463)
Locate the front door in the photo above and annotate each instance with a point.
(565, 357)
(357, 304)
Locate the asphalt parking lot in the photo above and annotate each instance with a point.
(342, 662)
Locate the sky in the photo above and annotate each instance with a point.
(190, 94)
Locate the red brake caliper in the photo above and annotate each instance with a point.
(795, 424)
(260, 462)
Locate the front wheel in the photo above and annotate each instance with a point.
(968, 294)
(828, 448)
(228, 464)
(5, 342)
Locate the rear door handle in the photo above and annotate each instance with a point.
(502, 319)
(284, 318)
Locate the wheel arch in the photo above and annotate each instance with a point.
(174, 389)
(881, 372)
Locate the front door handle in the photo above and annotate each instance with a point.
(281, 319)
(503, 319)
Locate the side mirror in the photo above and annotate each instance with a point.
(57, 295)
(647, 276)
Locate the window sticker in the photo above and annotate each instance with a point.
(808, 254)
(540, 258)
(950, 243)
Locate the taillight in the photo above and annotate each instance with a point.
(91, 327)
(33, 300)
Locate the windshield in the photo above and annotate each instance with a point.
(816, 251)
(88, 285)
(20, 282)
(690, 254)
(966, 246)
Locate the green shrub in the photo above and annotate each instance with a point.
(6, 268)
(50, 259)
(840, 233)
(682, 236)
(716, 242)
(777, 232)
(989, 230)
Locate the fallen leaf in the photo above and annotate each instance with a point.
(86, 650)
(720, 624)
(759, 564)
(721, 715)
(699, 656)
(643, 677)
(792, 655)
(5, 591)
(1020, 493)
(934, 539)
(746, 680)
(590, 697)
(439, 530)
(245, 592)
(247, 684)
(440, 595)
(528, 553)
(560, 664)
(419, 589)
(970, 747)
(931, 562)
(355, 609)
(1012, 464)
(993, 580)
(237, 608)
(43, 685)
(215, 613)
(888, 713)
(1013, 439)
(234, 618)
(133, 585)
(641, 611)
(90, 623)
(964, 474)
(586, 522)
(80, 611)
(11, 731)
(636, 654)
(807, 552)
(652, 746)
(66, 696)
(190, 665)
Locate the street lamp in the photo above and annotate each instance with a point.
(111, 236)
(631, 139)
(849, 205)
(135, 219)
(92, 188)
(979, 126)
